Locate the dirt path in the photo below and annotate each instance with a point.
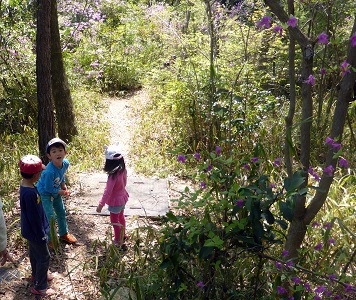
(74, 278)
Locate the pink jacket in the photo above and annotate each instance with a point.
(115, 193)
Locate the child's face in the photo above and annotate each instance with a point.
(56, 155)
(36, 177)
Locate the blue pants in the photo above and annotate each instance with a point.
(55, 209)
(39, 259)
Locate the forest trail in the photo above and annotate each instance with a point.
(72, 266)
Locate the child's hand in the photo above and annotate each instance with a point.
(99, 208)
(64, 193)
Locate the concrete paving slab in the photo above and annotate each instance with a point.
(148, 196)
(8, 274)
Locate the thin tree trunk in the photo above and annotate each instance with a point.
(46, 129)
(60, 86)
(304, 215)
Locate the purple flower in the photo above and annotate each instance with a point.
(314, 174)
(336, 146)
(247, 167)
(322, 71)
(323, 38)
(289, 264)
(203, 185)
(292, 22)
(239, 203)
(197, 156)
(200, 284)
(254, 159)
(316, 297)
(285, 253)
(329, 170)
(310, 80)
(316, 177)
(310, 170)
(315, 224)
(329, 141)
(348, 288)
(278, 29)
(332, 277)
(345, 66)
(331, 241)
(318, 247)
(307, 286)
(272, 185)
(218, 150)
(209, 168)
(327, 225)
(343, 163)
(265, 21)
(281, 290)
(296, 280)
(353, 40)
(278, 265)
(181, 158)
(277, 161)
(320, 289)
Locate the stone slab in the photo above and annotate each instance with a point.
(8, 274)
(148, 196)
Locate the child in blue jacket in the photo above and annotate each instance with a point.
(52, 187)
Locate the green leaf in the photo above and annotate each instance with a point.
(268, 216)
(287, 210)
(205, 252)
(283, 224)
(291, 184)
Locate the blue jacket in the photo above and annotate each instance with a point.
(51, 178)
(34, 223)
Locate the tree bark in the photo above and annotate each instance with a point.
(46, 129)
(60, 86)
(304, 215)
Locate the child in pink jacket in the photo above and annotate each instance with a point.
(115, 194)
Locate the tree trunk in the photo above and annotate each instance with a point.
(60, 87)
(303, 215)
(46, 129)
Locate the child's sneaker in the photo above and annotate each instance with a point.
(42, 293)
(122, 247)
(68, 238)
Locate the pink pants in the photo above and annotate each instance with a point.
(119, 223)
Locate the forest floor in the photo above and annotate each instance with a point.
(73, 279)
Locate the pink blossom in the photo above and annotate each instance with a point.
(292, 22)
(323, 38)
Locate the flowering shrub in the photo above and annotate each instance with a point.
(235, 220)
